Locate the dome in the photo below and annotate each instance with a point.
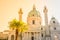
(34, 12)
(54, 21)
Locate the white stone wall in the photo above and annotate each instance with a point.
(28, 35)
(55, 33)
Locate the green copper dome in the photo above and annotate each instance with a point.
(34, 12)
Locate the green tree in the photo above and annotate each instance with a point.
(19, 26)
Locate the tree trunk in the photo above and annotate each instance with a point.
(16, 34)
(21, 35)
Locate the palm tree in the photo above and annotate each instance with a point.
(19, 26)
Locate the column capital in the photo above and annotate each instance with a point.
(45, 10)
(20, 11)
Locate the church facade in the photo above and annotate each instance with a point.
(36, 31)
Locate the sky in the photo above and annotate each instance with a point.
(9, 10)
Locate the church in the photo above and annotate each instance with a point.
(36, 31)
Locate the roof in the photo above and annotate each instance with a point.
(34, 12)
(3, 36)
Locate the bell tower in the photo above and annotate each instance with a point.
(20, 14)
(45, 14)
(47, 30)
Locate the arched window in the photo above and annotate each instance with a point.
(54, 28)
(42, 35)
(32, 38)
(41, 28)
(53, 21)
(12, 37)
(33, 21)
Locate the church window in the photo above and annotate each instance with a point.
(53, 21)
(42, 35)
(54, 28)
(32, 38)
(12, 37)
(33, 22)
(41, 28)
